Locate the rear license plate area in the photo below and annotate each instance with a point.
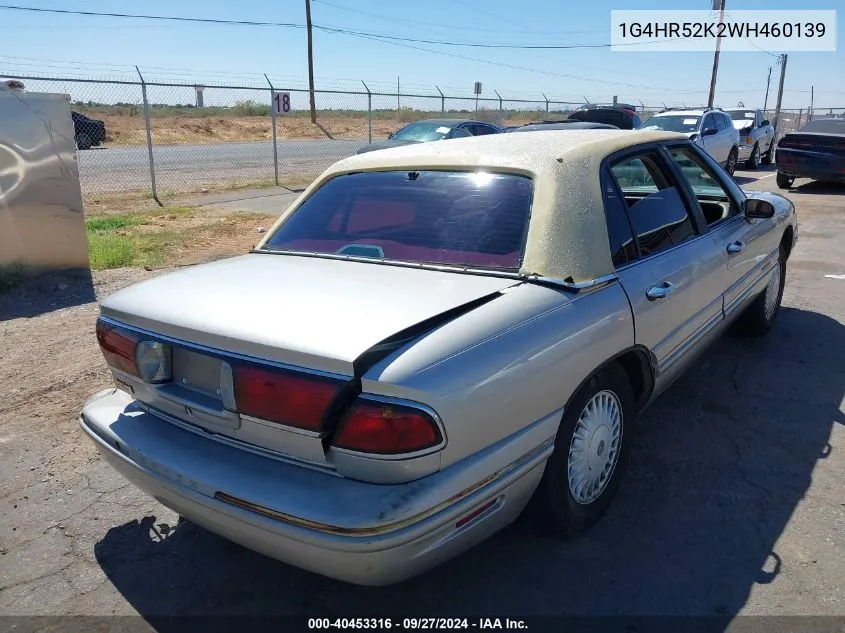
(197, 372)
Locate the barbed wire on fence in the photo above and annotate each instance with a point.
(167, 139)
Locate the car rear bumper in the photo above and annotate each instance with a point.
(363, 533)
(815, 165)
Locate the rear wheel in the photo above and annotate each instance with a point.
(754, 160)
(730, 166)
(760, 316)
(784, 181)
(586, 468)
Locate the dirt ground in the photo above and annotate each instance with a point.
(130, 130)
(733, 504)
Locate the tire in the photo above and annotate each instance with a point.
(769, 155)
(784, 181)
(753, 161)
(730, 166)
(83, 141)
(761, 315)
(556, 505)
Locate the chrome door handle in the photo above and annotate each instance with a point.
(659, 292)
(736, 247)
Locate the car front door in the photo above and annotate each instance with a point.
(725, 135)
(673, 278)
(738, 240)
(711, 143)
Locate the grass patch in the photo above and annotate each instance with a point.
(132, 239)
(106, 250)
(166, 236)
(112, 223)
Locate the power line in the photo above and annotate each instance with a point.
(152, 17)
(328, 29)
(501, 64)
(450, 26)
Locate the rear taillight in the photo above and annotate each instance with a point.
(284, 397)
(118, 347)
(386, 429)
(128, 352)
(153, 361)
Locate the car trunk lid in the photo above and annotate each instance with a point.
(322, 320)
(316, 313)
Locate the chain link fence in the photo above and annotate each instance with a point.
(166, 140)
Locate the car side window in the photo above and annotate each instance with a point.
(720, 122)
(655, 207)
(716, 197)
(708, 122)
(622, 246)
(459, 132)
(480, 130)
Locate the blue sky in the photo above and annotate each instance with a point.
(109, 47)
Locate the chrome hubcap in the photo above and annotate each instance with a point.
(594, 449)
(772, 292)
(731, 162)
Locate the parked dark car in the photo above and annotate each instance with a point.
(815, 151)
(433, 130)
(87, 132)
(561, 125)
(621, 115)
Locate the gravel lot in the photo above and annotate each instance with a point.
(733, 504)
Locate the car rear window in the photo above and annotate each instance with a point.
(464, 219)
(825, 126)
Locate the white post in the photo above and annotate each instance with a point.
(273, 123)
(149, 136)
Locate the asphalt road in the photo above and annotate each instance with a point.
(732, 506)
(190, 167)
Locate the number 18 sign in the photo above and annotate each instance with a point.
(281, 103)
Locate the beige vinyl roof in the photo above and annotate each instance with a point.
(567, 235)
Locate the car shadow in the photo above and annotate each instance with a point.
(816, 187)
(719, 465)
(30, 295)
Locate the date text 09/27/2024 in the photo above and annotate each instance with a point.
(408, 624)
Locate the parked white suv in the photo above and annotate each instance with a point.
(712, 130)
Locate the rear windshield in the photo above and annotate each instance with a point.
(465, 219)
(825, 126)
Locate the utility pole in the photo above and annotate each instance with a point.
(780, 91)
(721, 4)
(397, 93)
(768, 81)
(310, 62)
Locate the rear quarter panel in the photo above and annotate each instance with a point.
(507, 364)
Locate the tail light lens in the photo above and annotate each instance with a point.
(153, 361)
(386, 429)
(126, 351)
(284, 397)
(118, 347)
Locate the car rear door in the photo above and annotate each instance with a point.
(672, 274)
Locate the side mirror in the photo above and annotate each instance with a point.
(709, 131)
(765, 123)
(756, 208)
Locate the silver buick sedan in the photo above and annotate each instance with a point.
(431, 337)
